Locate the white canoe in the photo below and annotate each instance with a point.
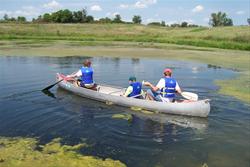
(111, 95)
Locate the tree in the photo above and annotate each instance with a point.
(38, 20)
(21, 19)
(220, 19)
(117, 19)
(80, 16)
(175, 25)
(47, 17)
(137, 19)
(77, 17)
(248, 20)
(89, 19)
(193, 25)
(154, 24)
(66, 16)
(184, 24)
(6, 17)
(12, 19)
(163, 23)
(62, 16)
(105, 20)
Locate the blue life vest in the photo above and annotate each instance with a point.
(169, 90)
(87, 75)
(136, 89)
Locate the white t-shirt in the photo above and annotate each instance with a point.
(79, 73)
(161, 84)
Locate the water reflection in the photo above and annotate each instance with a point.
(49, 93)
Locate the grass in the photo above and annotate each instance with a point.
(221, 37)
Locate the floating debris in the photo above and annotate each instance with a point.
(127, 117)
(109, 103)
(204, 165)
(136, 108)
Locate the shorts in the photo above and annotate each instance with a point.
(157, 96)
(87, 85)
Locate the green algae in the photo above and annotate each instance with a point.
(204, 165)
(127, 117)
(25, 152)
(238, 87)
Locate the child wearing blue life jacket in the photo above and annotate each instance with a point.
(86, 74)
(135, 89)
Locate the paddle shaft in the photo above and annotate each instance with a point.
(51, 86)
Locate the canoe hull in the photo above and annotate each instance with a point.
(199, 108)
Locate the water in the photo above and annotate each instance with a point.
(222, 139)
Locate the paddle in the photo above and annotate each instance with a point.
(190, 96)
(50, 86)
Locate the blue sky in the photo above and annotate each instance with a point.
(170, 11)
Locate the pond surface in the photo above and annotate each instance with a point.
(149, 140)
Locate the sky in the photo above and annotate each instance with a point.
(170, 11)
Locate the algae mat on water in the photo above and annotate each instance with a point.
(25, 152)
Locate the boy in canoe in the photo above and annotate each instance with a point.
(86, 74)
(165, 89)
(134, 89)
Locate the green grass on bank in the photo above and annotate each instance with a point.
(237, 38)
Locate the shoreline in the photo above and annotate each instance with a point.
(230, 59)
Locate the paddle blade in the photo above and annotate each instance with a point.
(50, 86)
(190, 96)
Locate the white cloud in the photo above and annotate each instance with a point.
(26, 11)
(95, 8)
(171, 22)
(240, 12)
(189, 21)
(140, 4)
(109, 14)
(115, 13)
(52, 5)
(124, 6)
(144, 3)
(198, 8)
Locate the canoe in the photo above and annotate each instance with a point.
(111, 95)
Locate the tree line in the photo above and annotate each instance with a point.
(81, 16)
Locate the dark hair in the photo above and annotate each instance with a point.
(167, 74)
(132, 78)
(87, 63)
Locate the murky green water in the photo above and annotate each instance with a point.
(220, 140)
